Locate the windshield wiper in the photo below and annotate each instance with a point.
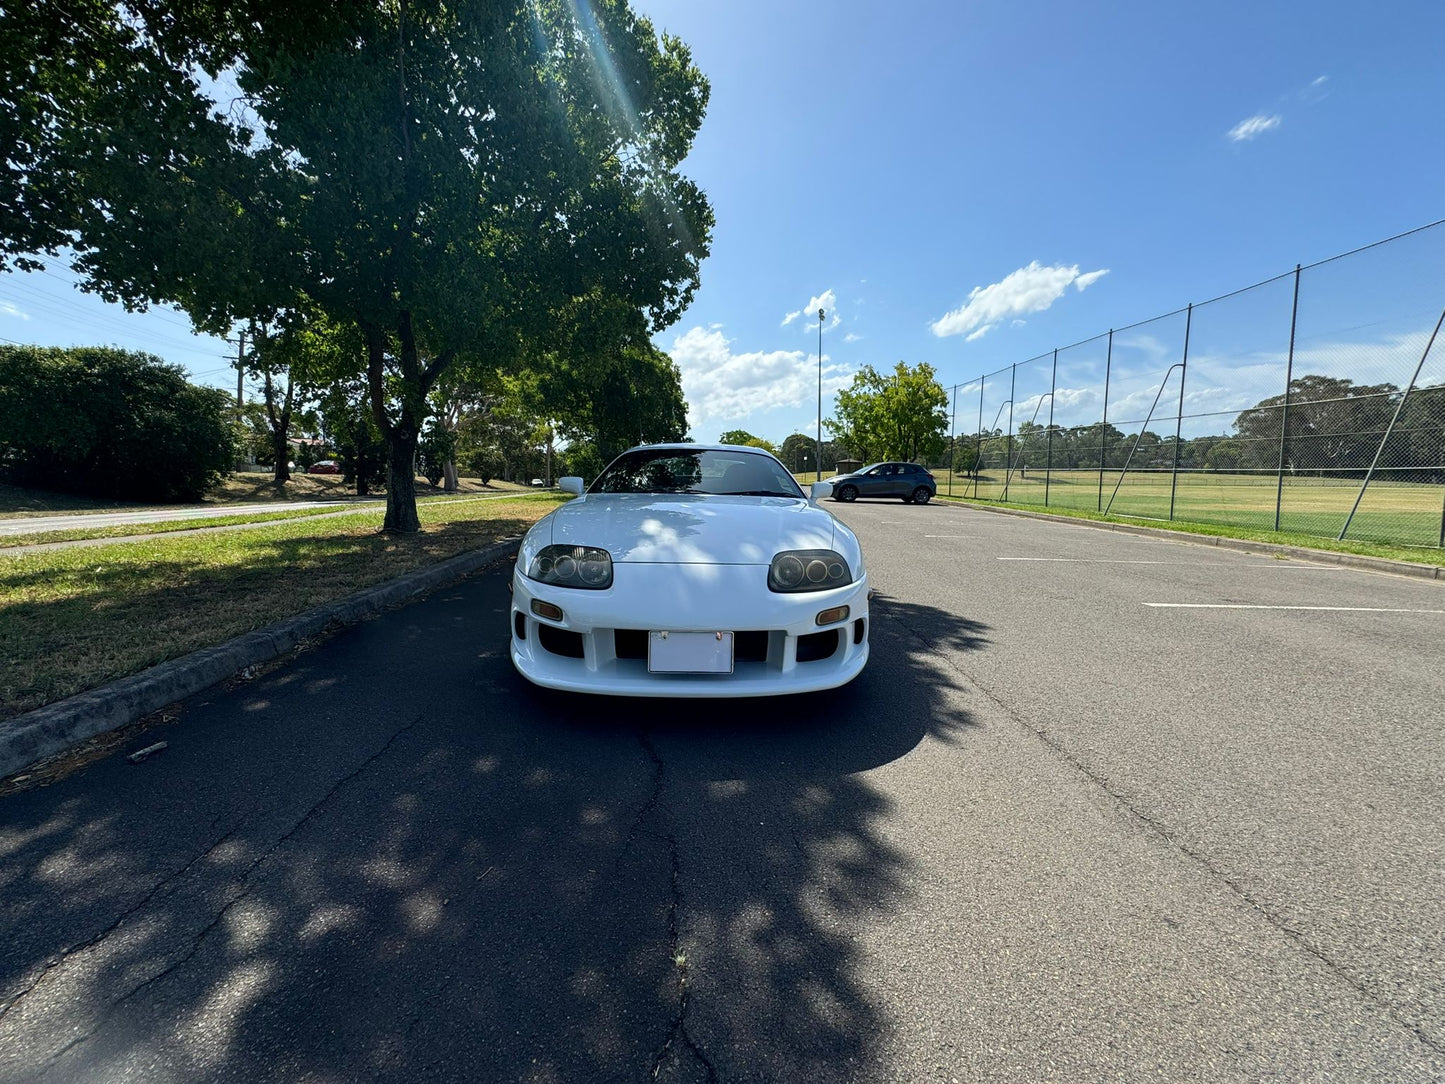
(759, 493)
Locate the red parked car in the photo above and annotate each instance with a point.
(325, 466)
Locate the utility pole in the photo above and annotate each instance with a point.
(240, 367)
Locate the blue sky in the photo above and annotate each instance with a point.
(973, 184)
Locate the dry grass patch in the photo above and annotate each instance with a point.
(74, 619)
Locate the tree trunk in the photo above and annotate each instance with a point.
(449, 475)
(401, 482)
(282, 472)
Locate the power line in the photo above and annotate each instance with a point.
(156, 312)
(63, 309)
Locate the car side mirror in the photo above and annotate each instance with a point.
(818, 491)
(570, 485)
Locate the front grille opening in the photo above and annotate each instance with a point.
(816, 646)
(562, 642)
(519, 624)
(750, 646)
(630, 643)
(858, 629)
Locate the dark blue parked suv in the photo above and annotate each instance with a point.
(907, 481)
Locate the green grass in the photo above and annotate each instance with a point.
(73, 619)
(1417, 555)
(1397, 514)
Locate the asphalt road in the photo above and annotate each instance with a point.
(1073, 823)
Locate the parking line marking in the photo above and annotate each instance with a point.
(1255, 606)
(1089, 560)
(1273, 565)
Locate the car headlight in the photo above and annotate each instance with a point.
(572, 566)
(808, 570)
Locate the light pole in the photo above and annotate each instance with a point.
(818, 457)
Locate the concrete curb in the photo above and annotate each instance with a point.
(1243, 545)
(44, 731)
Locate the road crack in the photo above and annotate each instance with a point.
(64, 955)
(199, 938)
(677, 1029)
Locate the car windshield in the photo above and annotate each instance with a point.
(685, 470)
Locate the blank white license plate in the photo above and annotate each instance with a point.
(690, 652)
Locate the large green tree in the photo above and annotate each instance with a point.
(897, 415)
(745, 439)
(612, 397)
(442, 176)
(1332, 425)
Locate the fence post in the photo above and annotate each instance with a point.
(1284, 417)
(1389, 429)
(1179, 418)
(978, 452)
(1008, 456)
(1049, 454)
(1104, 425)
(1442, 523)
(952, 440)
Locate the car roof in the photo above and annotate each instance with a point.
(685, 447)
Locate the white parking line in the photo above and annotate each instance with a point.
(1253, 606)
(1273, 565)
(1088, 560)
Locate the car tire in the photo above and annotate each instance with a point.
(848, 494)
(921, 495)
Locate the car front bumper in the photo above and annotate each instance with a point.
(769, 629)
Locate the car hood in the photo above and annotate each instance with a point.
(692, 528)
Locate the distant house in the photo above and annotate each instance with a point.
(848, 466)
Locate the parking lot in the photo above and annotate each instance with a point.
(1101, 807)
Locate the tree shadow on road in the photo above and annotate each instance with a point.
(392, 864)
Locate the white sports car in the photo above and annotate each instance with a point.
(690, 570)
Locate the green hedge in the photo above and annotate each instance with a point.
(110, 423)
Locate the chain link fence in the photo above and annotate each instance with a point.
(1313, 402)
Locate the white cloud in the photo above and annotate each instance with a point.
(827, 301)
(721, 386)
(851, 337)
(10, 310)
(1254, 126)
(1317, 91)
(980, 333)
(1029, 289)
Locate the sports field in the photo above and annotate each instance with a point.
(1406, 513)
